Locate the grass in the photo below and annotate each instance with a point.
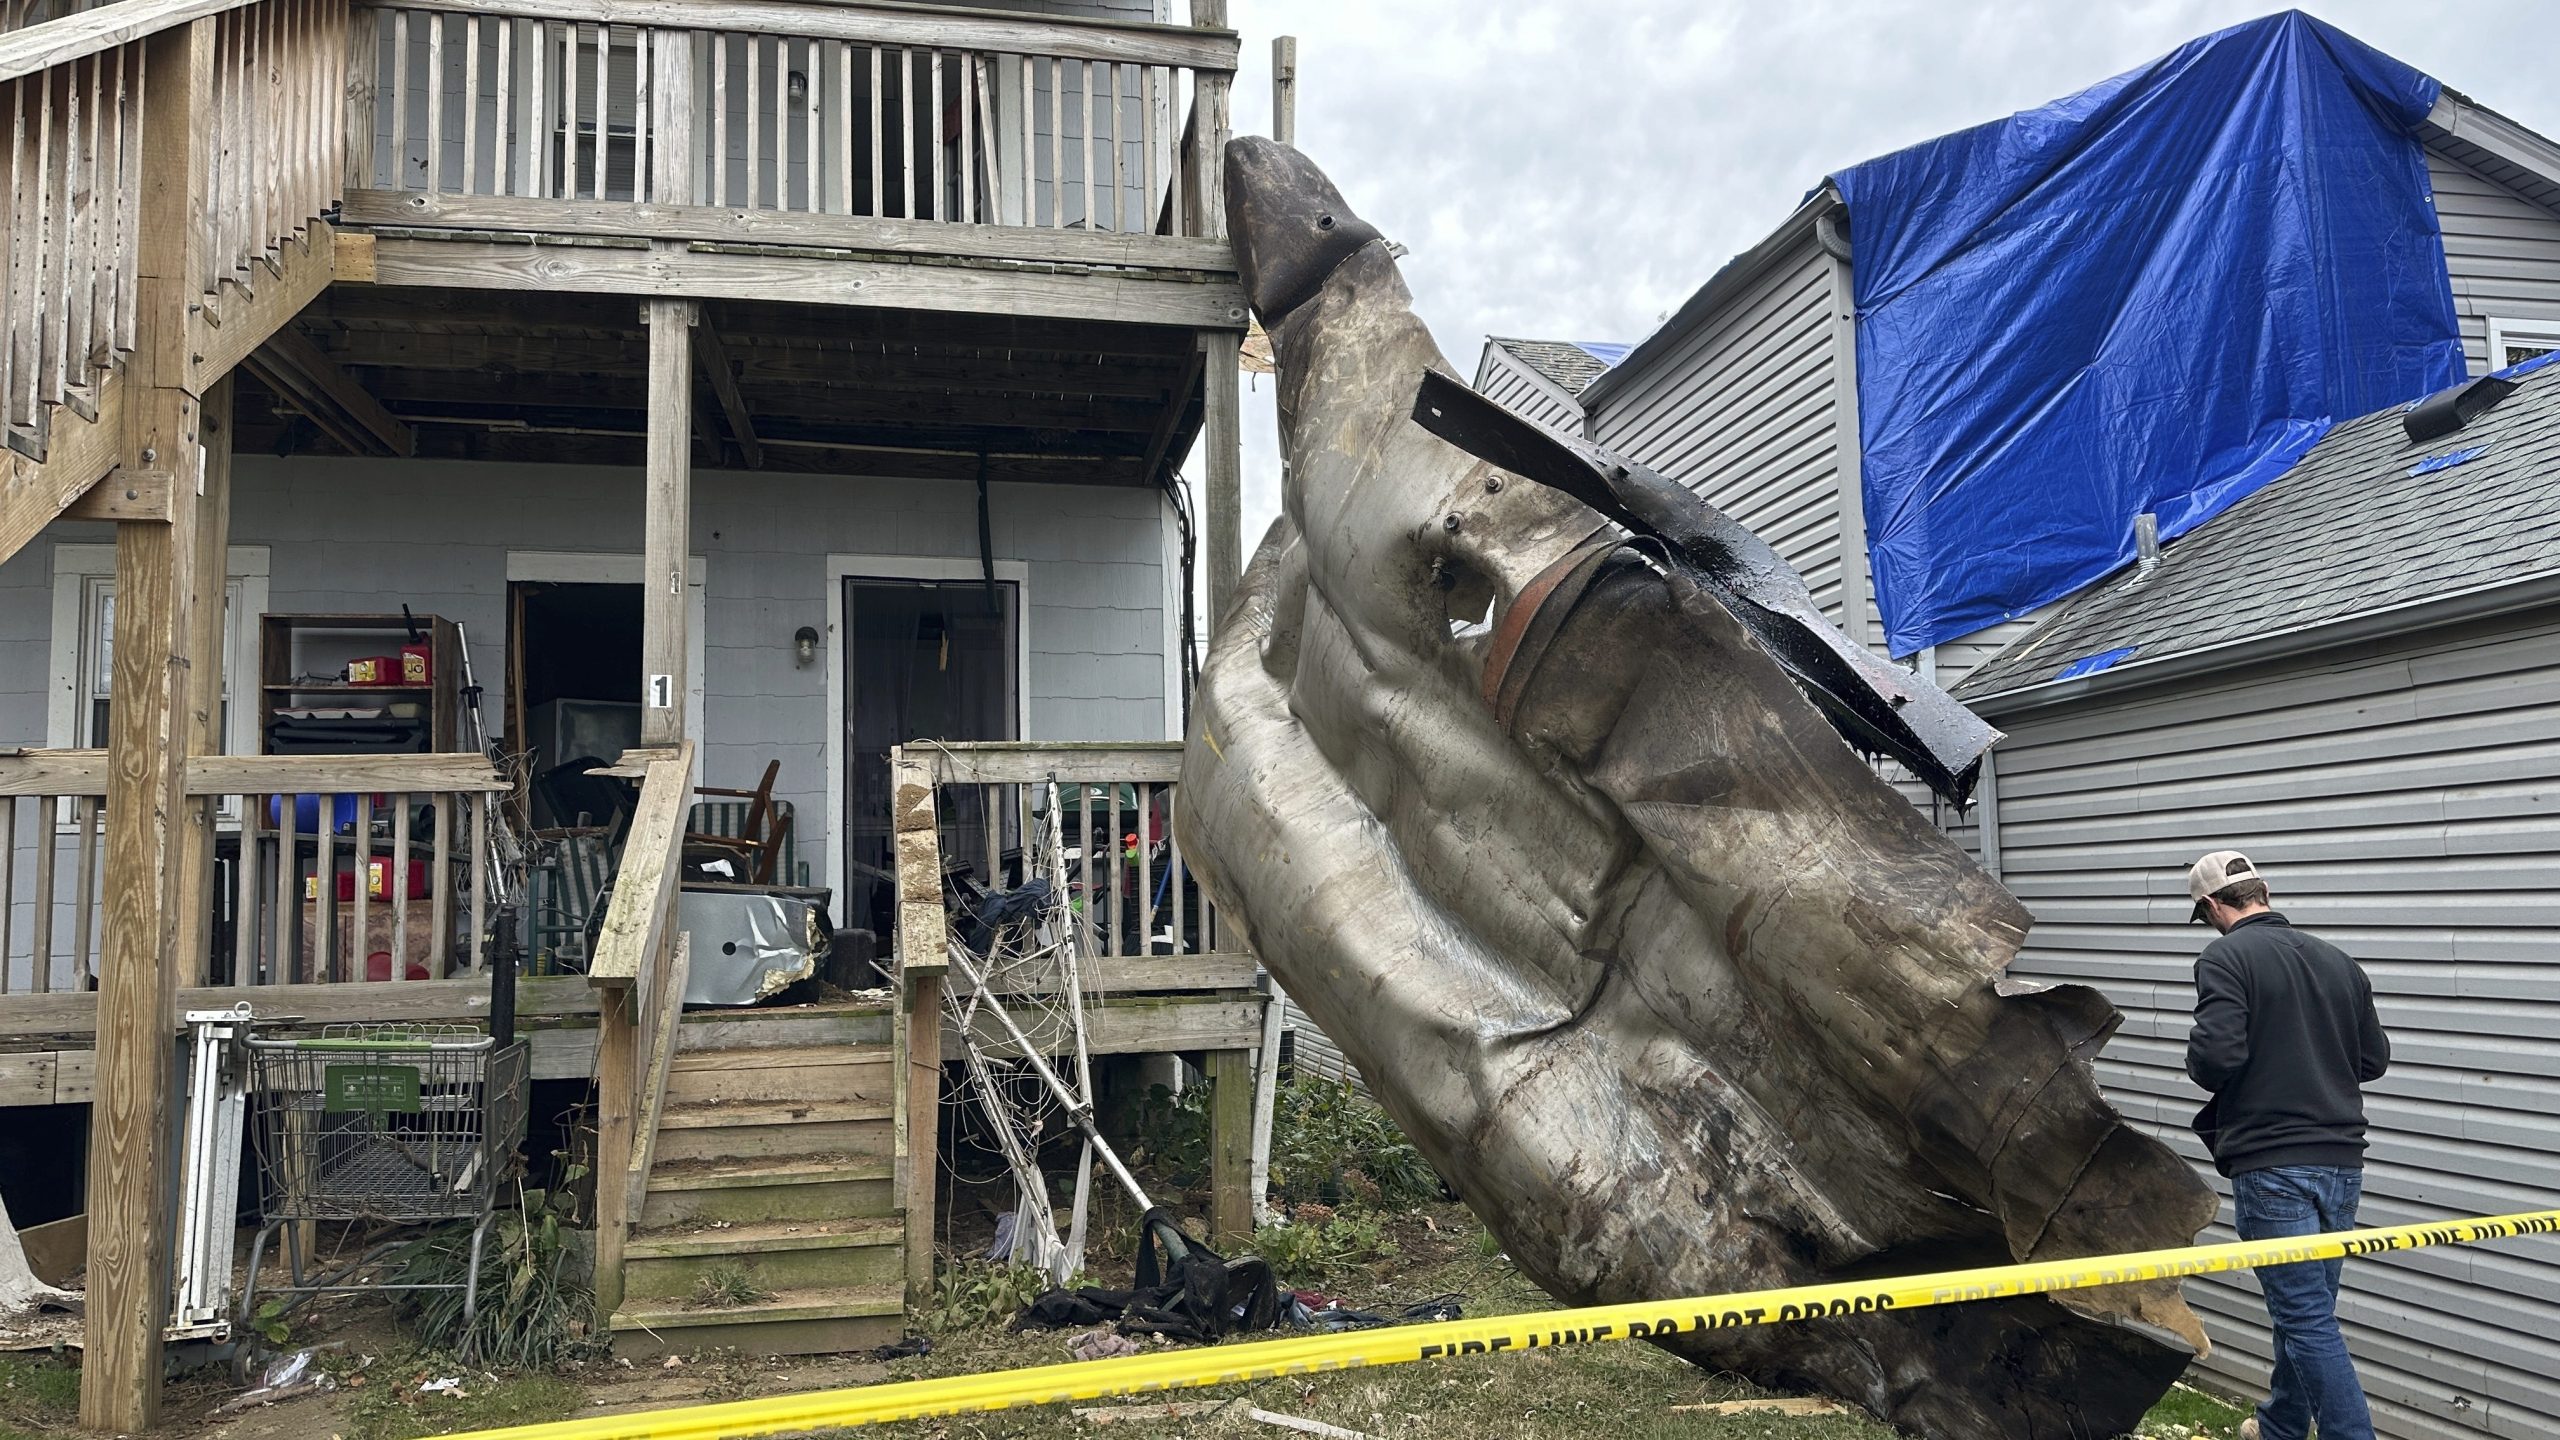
(726, 1287)
(390, 1407)
(36, 1396)
(2189, 1412)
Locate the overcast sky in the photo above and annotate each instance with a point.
(1573, 169)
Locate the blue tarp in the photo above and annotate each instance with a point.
(1606, 352)
(2153, 295)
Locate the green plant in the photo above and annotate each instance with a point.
(1173, 1133)
(1488, 1245)
(533, 1302)
(269, 1322)
(726, 1287)
(1324, 1243)
(972, 1294)
(1331, 1143)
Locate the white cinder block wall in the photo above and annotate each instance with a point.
(363, 535)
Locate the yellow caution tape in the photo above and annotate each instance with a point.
(1395, 1345)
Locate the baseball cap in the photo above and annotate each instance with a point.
(2214, 872)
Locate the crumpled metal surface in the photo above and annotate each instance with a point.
(749, 945)
(1642, 955)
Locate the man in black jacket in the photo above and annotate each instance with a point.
(2285, 1034)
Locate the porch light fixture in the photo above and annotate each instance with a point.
(797, 85)
(804, 646)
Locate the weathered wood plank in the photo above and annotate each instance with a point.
(1139, 1025)
(749, 273)
(712, 354)
(304, 269)
(1144, 974)
(320, 386)
(119, 497)
(39, 47)
(29, 1017)
(1222, 437)
(84, 772)
(1008, 762)
(79, 453)
(1231, 1145)
(1075, 38)
(637, 915)
(667, 538)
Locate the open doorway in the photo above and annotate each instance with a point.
(573, 672)
(923, 659)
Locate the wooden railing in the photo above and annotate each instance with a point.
(825, 109)
(288, 829)
(640, 964)
(73, 178)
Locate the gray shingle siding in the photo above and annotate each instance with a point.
(1502, 376)
(1742, 411)
(2403, 797)
(2501, 250)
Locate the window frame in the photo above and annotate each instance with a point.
(81, 571)
(2506, 329)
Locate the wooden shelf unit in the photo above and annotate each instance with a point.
(291, 647)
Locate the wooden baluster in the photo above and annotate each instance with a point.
(84, 910)
(569, 47)
(264, 136)
(400, 888)
(8, 859)
(719, 171)
(1119, 876)
(245, 930)
(471, 105)
(502, 125)
(324, 879)
(1030, 166)
(1090, 917)
(1146, 869)
(440, 893)
(1084, 141)
(604, 111)
(61, 127)
(288, 892)
(755, 115)
(128, 191)
(965, 186)
(1119, 194)
(879, 124)
(1057, 143)
(987, 829)
(933, 141)
(983, 75)
(436, 101)
(81, 230)
(534, 143)
(31, 128)
(907, 129)
(1173, 864)
(222, 183)
(841, 126)
(399, 99)
(48, 839)
(480, 804)
(360, 943)
(1170, 135)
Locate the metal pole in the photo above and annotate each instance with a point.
(1284, 89)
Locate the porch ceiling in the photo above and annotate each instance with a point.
(562, 379)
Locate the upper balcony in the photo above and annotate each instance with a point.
(796, 149)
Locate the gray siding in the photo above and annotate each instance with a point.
(363, 535)
(2501, 250)
(1524, 392)
(2404, 800)
(1744, 410)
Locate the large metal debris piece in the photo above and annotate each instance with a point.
(1628, 938)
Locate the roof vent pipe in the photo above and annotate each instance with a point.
(2146, 543)
(2453, 407)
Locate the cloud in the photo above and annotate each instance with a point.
(1575, 170)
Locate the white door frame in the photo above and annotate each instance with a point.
(841, 568)
(605, 567)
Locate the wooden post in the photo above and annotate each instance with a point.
(923, 960)
(1221, 435)
(663, 647)
(1210, 127)
(617, 1125)
(1230, 1148)
(1284, 89)
(147, 906)
(204, 698)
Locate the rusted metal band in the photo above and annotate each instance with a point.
(1539, 610)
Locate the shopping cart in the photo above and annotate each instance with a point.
(399, 1124)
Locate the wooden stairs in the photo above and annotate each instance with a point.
(769, 1221)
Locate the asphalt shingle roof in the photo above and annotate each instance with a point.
(1567, 365)
(2347, 531)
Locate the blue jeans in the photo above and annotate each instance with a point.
(2314, 1379)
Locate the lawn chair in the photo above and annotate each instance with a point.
(748, 828)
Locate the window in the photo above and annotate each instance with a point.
(84, 625)
(2513, 342)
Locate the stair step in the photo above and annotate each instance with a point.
(782, 1074)
(793, 1322)
(669, 1266)
(723, 1130)
(799, 1189)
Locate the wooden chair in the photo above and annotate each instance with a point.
(749, 828)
